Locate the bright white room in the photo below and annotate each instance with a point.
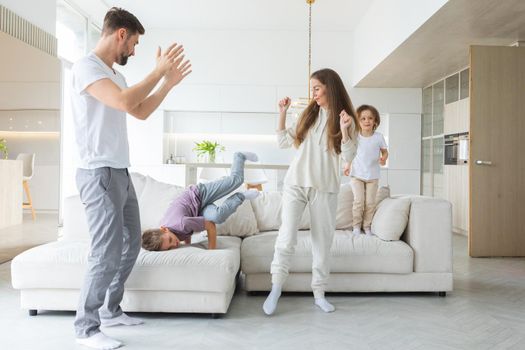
(443, 266)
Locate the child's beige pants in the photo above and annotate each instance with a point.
(365, 192)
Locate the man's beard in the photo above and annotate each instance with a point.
(123, 60)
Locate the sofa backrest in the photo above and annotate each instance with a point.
(267, 209)
(260, 214)
(154, 197)
(75, 224)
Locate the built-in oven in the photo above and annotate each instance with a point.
(456, 148)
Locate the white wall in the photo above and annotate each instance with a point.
(237, 80)
(41, 13)
(384, 26)
(30, 114)
(229, 62)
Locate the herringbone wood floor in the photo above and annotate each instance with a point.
(486, 310)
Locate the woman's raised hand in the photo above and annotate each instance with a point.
(284, 104)
(345, 120)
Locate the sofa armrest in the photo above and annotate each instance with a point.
(429, 233)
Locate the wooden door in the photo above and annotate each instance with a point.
(497, 151)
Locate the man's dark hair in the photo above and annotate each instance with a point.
(117, 18)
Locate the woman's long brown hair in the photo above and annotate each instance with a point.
(338, 100)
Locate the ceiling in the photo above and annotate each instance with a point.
(441, 45)
(327, 15)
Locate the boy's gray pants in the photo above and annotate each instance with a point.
(215, 190)
(112, 214)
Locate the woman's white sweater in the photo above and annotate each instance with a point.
(314, 165)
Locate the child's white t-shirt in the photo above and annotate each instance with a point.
(100, 131)
(365, 165)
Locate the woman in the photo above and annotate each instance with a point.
(324, 132)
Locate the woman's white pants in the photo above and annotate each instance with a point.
(322, 207)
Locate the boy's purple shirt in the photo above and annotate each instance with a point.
(182, 217)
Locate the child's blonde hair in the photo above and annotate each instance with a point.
(372, 110)
(152, 239)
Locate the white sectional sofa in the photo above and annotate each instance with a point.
(196, 280)
(421, 261)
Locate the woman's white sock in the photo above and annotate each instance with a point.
(99, 341)
(324, 305)
(270, 304)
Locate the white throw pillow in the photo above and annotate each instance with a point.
(155, 200)
(345, 201)
(391, 218)
(74, 220)
(382, 193)
(267, 209)
(139, 181)
(242, 223)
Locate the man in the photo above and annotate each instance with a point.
(100, 101)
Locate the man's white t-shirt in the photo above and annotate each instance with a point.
(365, 165)
(100, 131)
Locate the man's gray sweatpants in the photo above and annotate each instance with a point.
(114, 226)
(215, 190)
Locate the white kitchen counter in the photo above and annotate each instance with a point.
(11, 195)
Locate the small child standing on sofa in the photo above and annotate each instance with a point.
(194, 211)
(371, 152)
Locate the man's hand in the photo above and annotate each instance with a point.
(178, 72)
(167, 59)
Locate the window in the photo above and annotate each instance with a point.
(432, 140)
(93, 36)
(71, 32)
(76, 36)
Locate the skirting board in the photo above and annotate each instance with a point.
(358, 282)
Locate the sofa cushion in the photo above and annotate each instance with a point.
(75, 223)
(391, 218)
(155, 200)
(62, 264)
(345, 203)
(349, 253)
(242, 223)
(139, 181)
(267, 210)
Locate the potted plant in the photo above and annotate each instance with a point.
(3, 147)
(209, 148)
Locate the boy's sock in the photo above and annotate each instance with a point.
(356, 231)
(250, 194)
(270, 304)
(250, 156)
(368, 231)
(99, 341)
(122, 320)
(324, 305)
